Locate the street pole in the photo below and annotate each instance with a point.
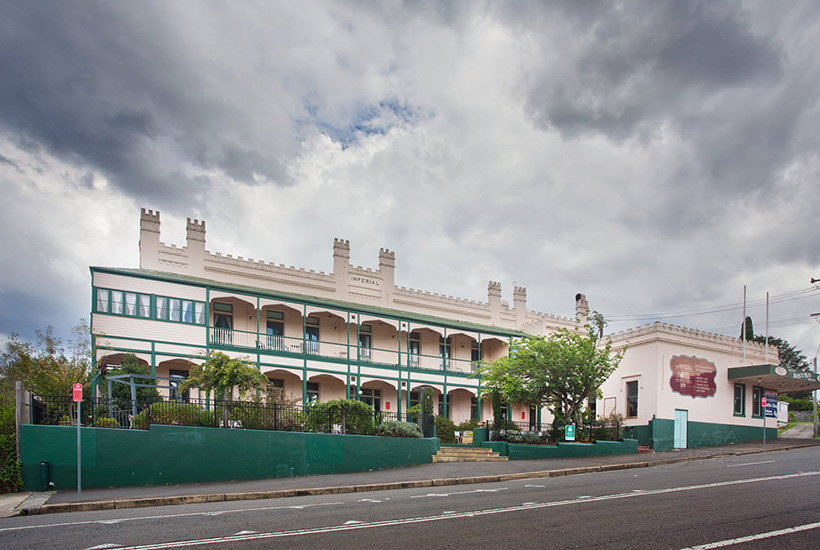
(814, 400)
(79, 463)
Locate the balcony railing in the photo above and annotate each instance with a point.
(290, 345)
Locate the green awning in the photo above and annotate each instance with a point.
(775, 377)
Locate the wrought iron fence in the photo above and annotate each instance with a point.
(251, 415)
(523, 432)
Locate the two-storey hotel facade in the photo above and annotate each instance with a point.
(351, 333)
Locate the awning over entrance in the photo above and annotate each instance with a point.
(775, 377)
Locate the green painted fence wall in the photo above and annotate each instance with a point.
(659, 434)
(517, 451)
(186, 454)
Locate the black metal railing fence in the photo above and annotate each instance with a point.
(524, 432)
(253, 415)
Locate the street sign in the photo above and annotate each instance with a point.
(569, 432)
(764, 401)
(78, 392)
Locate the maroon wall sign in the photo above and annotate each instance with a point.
(693, 376)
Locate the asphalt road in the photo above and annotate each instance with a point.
(774, 498)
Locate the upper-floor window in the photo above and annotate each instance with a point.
(365, 342)
(149, 306)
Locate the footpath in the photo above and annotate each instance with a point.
(426, 475)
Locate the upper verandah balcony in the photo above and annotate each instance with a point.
(282, 328)
(166, 308)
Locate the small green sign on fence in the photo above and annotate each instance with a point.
(569, 432)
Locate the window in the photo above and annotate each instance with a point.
(176, 377)
(444, 350)
(473, 408)
(162, 308)
(475, 353)
(147, 306)
(740, 400)
(365, 341)
(276, 389)
(130, 303)
(116, 302)
(312, 395)
(173, 309)
(102, 300)
(757, 403)
(413, 351)
(275, 331)
(144, 306)
(187, 311)
(372, 398)
(311, 339)
(632, 398)
(223, 323)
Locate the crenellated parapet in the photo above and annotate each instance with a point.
(345, 282)
(679, 333)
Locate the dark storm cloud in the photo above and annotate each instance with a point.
(637, 64)
(111, 86)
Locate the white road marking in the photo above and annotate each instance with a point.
(461, 492)
(102, 546)
(534, 486)
(368, 500)
(759, 536)
(439, 517)
(166, 516)
(245, 533)
(353, 522)
(749, 464)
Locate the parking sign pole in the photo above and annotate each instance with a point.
(78, 398)
(764, 422)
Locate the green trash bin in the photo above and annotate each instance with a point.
(43, 476)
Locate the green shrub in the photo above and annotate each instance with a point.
(348, 415)
(106, 423)
(177, 414)
(394, 428)
(445, 429)
(515, 437)
(10, 479)
(530, 437)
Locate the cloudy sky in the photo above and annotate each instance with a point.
(656, 156)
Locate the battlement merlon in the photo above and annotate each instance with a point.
(196, 230)
(386, 258)
(149, 239)
(149, 220)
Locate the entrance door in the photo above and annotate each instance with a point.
(681, 422)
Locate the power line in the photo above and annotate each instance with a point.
(776, 299)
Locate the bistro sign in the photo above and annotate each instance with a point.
(693, 376)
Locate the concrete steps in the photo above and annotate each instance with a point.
(467, 454)
(644, 449)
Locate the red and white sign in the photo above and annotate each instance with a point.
(764, 401)
(78, 393)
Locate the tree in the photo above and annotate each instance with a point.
(220, 374)
(46, 368)
(790, 357)
(122, 390)
(558, 371)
